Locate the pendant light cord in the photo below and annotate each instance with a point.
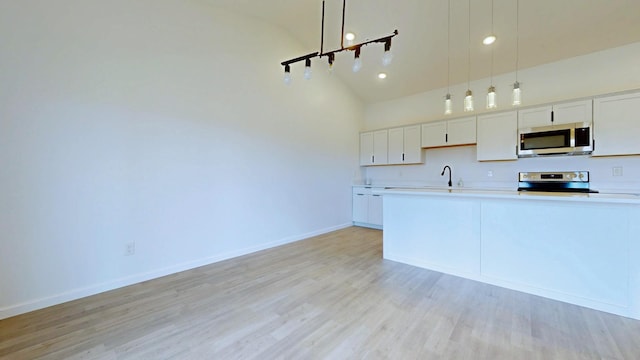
(492, 33)
(469, 51)
(517, 36)
(449, 47)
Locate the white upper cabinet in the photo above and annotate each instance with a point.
(498, 136)
(412, 145)
(616, 125)
(373, 148)
(566, 113)
(404, 145)
(449, 133)
(434, 134)
(461, 131)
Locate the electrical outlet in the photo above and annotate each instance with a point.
(617, 171)
(130, 248)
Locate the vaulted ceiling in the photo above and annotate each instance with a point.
(549, 30)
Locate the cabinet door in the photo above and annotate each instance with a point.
(535, 117)
(360, 207)
(375, 209)
(412, 145)
(396, 146)
(461, 131)
(498, 136)
(579, 111)
(366, 149)
(616, 125)
(434, 134)
(380, 147)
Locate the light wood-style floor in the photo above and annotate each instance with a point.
(328, 297)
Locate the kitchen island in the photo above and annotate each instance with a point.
(578, 248)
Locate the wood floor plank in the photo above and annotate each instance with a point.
(327, 297)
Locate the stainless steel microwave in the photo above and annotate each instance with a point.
(565, 139)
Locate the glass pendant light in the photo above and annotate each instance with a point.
(468, 96)
(491, 98)
(468, 101)
(491, 93)
(447, 99)
(516, 95)
(447, 104)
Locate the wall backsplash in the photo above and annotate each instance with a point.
(504, 174)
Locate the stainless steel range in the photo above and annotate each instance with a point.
(563, 181)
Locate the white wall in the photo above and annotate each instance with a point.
(159, 122)
(609, 71)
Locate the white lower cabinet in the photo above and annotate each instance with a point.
(582, 251)
(367, 207)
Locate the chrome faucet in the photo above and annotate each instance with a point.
(442, 174)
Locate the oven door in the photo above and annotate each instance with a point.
(546, 141)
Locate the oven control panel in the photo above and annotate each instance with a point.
(562, 176)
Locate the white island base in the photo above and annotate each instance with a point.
(579, 249)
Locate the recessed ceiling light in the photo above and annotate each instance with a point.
(382, 75)
(489, 40)
(349, 36)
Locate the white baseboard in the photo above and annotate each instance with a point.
(75, 294)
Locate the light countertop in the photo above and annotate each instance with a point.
(626, 198)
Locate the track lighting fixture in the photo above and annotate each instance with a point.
(357, 63)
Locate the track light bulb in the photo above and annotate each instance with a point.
(468, 101)
(516, 95)
(447, 105)
(357, 65)
(331, 58)
(287, 75)
(387, 57)
(307, 69)
(357, 62)
(491, 98)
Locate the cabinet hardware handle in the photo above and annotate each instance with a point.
(373, 159)
(402, 156)
(446, 137)
(551, 115)
(376, 195)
